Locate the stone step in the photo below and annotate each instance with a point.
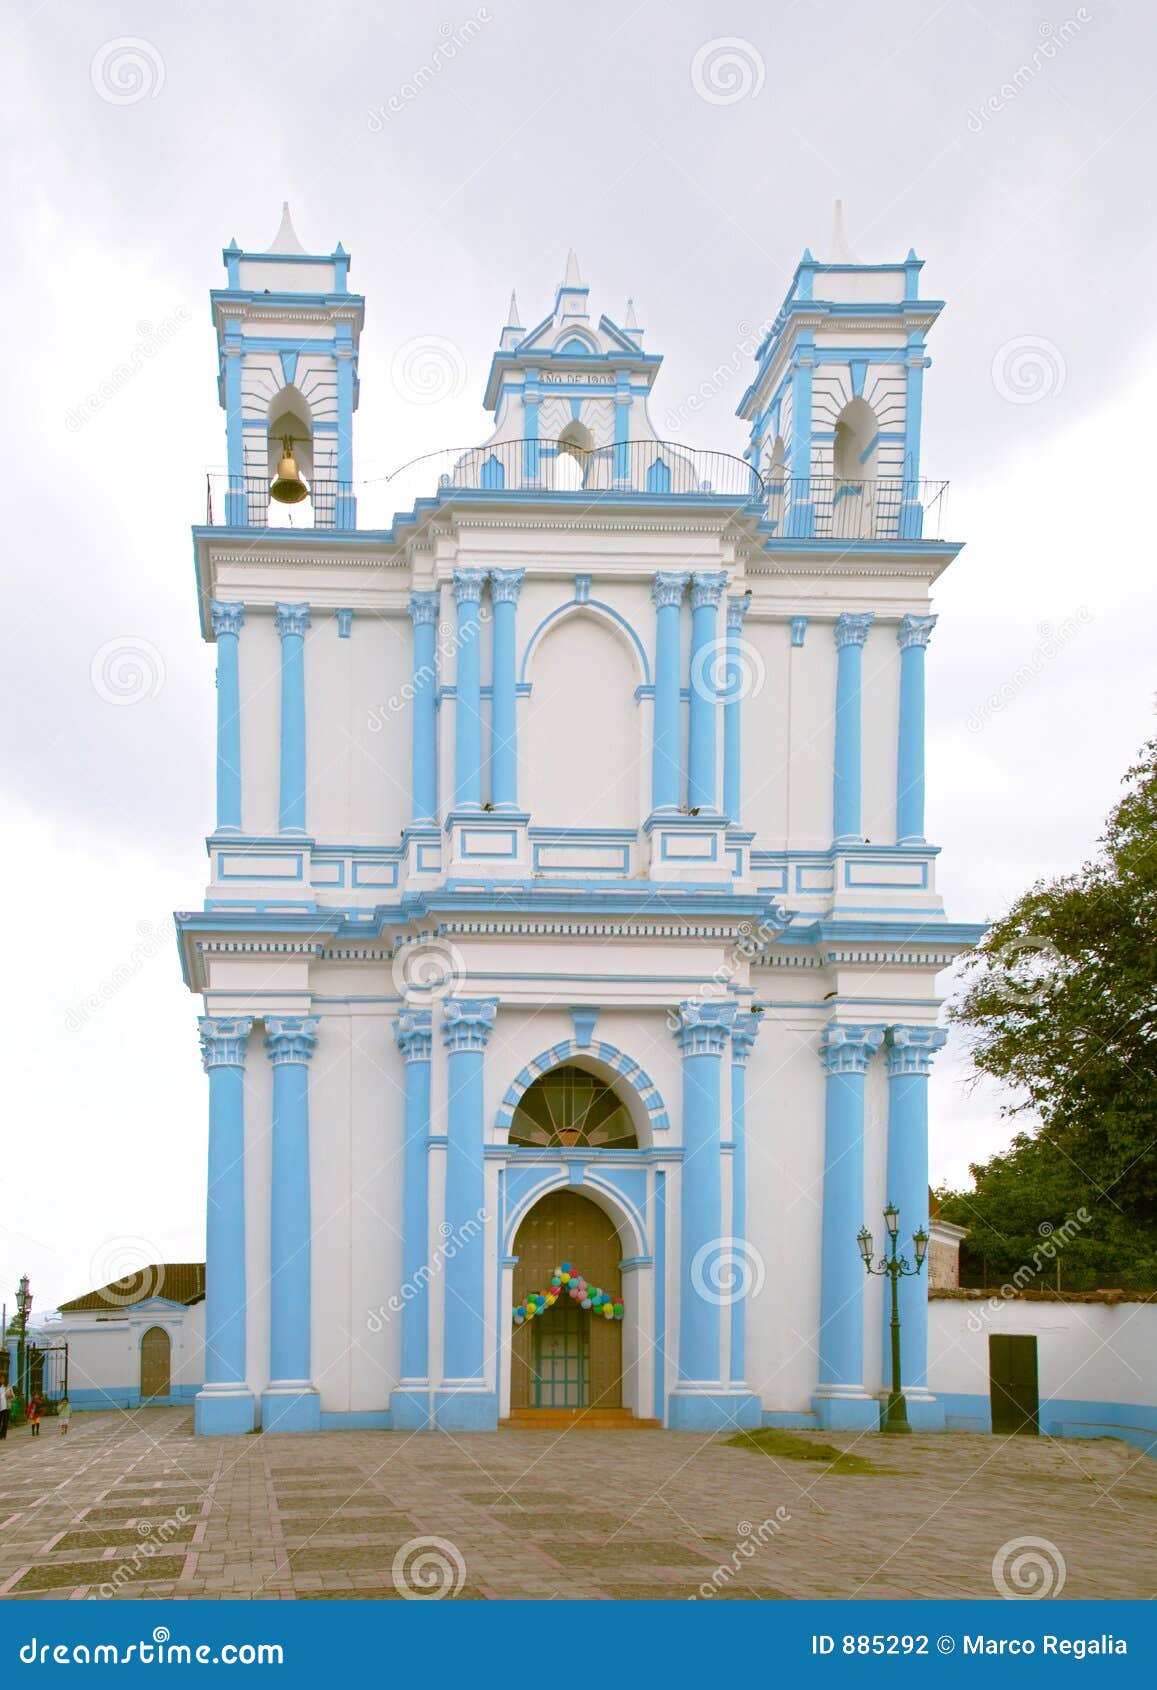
(589, 1419)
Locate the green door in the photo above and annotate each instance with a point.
(1012, 1369)
(559, 1367)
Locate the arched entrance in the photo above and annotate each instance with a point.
(156, 1355)
(568, 1358)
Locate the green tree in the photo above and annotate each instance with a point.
(1060, 1006)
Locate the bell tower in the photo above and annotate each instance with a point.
(835, 407)
(288, 330)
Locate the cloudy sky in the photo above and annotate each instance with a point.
(688, 152)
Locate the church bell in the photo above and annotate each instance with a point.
(288, 488)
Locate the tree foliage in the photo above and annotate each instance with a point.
(1060, 1006)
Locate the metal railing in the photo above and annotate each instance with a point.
(810, 508)
(830, 508)
(647, 469)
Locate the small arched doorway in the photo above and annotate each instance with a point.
(568, 1358)
(156, 1357)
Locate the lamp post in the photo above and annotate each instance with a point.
(896, 1267)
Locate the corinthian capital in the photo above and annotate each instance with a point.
(707, 588)
(290, 1038)
(909, 1050)
(226, 617)
(223, 1040)
(853, 630)
(291, 619)
(915, 630)
(668, 588)
(848, 1050)
(505, 585)
(467, 585)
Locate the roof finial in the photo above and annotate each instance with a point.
(841, 251)
(286, 239)
(572, 279)
(631, 321)
(512, 316)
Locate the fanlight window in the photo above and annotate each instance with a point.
(570, 1108)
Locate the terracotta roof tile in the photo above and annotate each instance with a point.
(179, 1282)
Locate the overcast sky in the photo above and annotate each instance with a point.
(688, 152)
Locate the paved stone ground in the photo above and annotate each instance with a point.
(129, 1504)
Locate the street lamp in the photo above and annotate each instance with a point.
(896, 1267)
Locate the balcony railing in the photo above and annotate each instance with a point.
(815, 508)
(829, 508)
(646, 469)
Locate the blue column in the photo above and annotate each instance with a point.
(841, 1400)
(465, 1403)
(530, 452)
(227, 620)
(505, 585)
(911, 510)
(225, 1404)
(847, 825)
(801, 508)
(236, 505)
(622, 468)
(702, 780)
(467, 589)
(667, 592)
(913, 635)
(345, 508)
(424, 722)
(290, 1403)
(736, 688)
(292, 624)
(410, 1404)
(699, 1400)
(908, 1057)
(744, 1029)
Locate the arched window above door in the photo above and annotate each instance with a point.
(569, 1107)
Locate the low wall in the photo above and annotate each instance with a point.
(1096, 1360)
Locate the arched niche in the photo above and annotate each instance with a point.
(582, 726)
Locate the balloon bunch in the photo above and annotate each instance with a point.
(569, 1279)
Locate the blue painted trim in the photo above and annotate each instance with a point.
(357, 1420)
(566, 609)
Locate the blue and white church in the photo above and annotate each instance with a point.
(568, 963)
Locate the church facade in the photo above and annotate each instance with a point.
(568, 963)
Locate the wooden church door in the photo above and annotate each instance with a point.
(568, 1357)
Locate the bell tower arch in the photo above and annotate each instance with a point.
(288, 331)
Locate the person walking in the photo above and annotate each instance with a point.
(64, 1414)
(7, 1398)
(34, 1412)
